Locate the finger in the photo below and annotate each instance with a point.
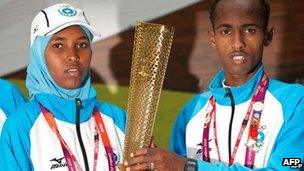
(139, 159)
(142, 151)
(142, 166)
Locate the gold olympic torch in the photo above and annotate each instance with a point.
(152, 45)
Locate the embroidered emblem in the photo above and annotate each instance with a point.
(67, 11)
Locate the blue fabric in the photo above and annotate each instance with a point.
(241, 93)
(88, 33)
(15, 138)
(10, 97)
(39, 80)
(115, 112)
(65, 109)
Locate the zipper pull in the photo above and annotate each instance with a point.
(227, 92)
(78, 104)
(78, 108)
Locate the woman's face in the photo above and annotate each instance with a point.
(68, 57)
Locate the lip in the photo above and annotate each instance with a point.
(73, 71)
(238, 57)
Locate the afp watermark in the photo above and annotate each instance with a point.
(293, 163)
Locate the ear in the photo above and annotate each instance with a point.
(211, 35)
(268, 36)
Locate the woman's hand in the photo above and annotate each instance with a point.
(155, 159)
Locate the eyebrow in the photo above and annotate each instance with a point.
(64, 38)
(251, 24)
(223, 25)
(243, 26)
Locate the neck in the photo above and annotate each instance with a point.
(236, 80)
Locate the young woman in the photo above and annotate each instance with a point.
(63, 126)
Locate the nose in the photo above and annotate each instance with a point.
(72, 55)
(238, 42)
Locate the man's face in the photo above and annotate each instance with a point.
(238, 36)
(68, 57)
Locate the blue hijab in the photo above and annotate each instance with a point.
(39, 80)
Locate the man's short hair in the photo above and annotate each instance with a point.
(265, 11)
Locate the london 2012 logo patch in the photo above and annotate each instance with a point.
(67, 11)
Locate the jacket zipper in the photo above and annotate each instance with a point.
(229, 93)
(84, 154)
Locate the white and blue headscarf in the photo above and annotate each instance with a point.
(39, 80)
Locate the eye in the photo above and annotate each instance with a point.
(57, 45)
(250, 31)
(82, 45)
(226, 31)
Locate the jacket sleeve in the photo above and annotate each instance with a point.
(14, 148)
(178, 139)
(289, 144)
(178, 136)
(18, 97)
(8, 160)
(10, 98)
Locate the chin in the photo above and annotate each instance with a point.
(71, 86)
(241, 71)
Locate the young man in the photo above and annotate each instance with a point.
(246, 120)
(10, 99)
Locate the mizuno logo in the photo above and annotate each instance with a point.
(57, 160)
(58, 163)
(35, 29)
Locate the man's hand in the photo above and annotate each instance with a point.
(155, 159)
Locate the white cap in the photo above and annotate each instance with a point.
(57, 17)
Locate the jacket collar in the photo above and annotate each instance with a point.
(240, 94)
(65, 109)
